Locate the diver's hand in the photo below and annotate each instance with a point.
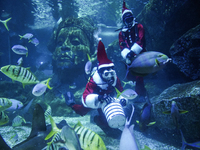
(123, 102)
(106, 99)
(129, 57)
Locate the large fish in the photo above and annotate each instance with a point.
(21, 74)
(175, 113)
(127, 141)
(89, 140)
(147, 62)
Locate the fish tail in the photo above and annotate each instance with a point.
(184, 143)
(20, 37)
(47, 83)
(88, 57)
(118, 92)
(26, 54)
(5, 23)
(54, 130)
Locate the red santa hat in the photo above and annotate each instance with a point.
(125, 9)
(102, 57)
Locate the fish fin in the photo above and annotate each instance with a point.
(5, 23)
(20, 37)
(183, 141)
(23, 85)
(182, 111)
(151, 123)
(124, 84)
(54, 130)
(167, 112)
(78, 124)
(38, 121)
(137, 121)
(131, 128)
(118, 92)
(157, 62)
(47, 84)
(88, 57)
(26, 54)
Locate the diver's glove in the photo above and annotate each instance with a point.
(106, 99)
(123, 102)
(129, 57)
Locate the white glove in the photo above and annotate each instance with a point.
(136, 48)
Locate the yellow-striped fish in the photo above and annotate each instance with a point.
(48, 112)
(3, 118)
(5, 103)
(89, 140)
(20, 74)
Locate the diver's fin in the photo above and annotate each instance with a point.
(3, 144)
(38, 122)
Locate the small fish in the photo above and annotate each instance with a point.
(73, 86)
(14, 138)
(175, 113)
(17, 121)
(88, 65)
(184, 143)
(131, 83)
(127, 141)
(5, 103)
(16, 104)
(5, 22)
(128, 93)
(19, 61)
(20, 50)
(40, 88)
(26, 36)
(20, 74)
(34, 41)
(89, 140)
(3, 118)
(145, 116)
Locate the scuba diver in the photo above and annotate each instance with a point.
(99, 92)
(132, 43)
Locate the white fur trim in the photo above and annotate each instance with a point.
(126, 11)
(92, 101)
(106, 65)
(124, 52)
(136, 48)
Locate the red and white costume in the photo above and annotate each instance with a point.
(132, 39)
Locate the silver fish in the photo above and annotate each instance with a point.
(34, 41)
(127, 141)
(129, 94)
(19, 61)
(26, 36)
(16, 104)
(20, 50)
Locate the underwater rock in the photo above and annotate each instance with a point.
(70, 43)
(187, 97)
(165, 21)
(185, 53)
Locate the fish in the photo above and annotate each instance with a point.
(145, 116)
(20, 61)
(147, 63)
(184, 143)
(5, 103)
(14, 138)
(20, 50)
(175, 113)
(5, 22)
(17, 121)
(127, 140)
(26, 36)
(48, 112)
(34, 41)
(131, 83)
(88, 65)
(3, 118)
(72, 86)
(16, 104)
(40, 88)
(20, 74)
(128, 93)
(89, 140)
